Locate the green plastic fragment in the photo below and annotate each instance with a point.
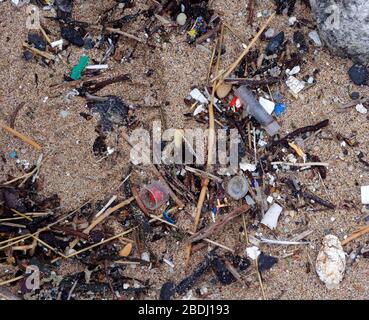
(78, 69)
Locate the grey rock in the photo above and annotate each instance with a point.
(344, 27)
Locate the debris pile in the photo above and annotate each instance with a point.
(226, 221)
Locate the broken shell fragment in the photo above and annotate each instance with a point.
(331, 262)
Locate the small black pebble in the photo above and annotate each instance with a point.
(27, 55)
(240, 263)
(38, 42)
(299, 39)
(167, 291)
(358, 74)
(73, 36)
(266, 262)
(89, 43)
(355, 95)
(274, 45)
(222, 273)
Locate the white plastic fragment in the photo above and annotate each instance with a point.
(247, 166)
(267, 105)
(365, 194)
(199, 109)
(361, 109)
(19, 3)
(253, 252)
(97, 66)
(270, 218)
(331, 262)
(198, 96)
(292, 21)
(293, 71)
(57, 43)
(295, 85)
(313, 35)
(269, 33)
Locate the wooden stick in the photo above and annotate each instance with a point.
(21, 214)
(356, 235)
(234, 65)
(203, 174)
(122, 33)
(44, 54)
(306, 164)
(11, 280)
(107, 213)
(21, 136)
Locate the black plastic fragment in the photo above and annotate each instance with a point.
(188, 282)
(221, 271)
(167, 291)
(275, 44)
(112, 110)
(266, 262)
(73, 36)
(37, 41)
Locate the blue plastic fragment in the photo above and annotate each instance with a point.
(13, 154)
(279, 109)
(167, 217)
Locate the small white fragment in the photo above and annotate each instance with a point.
(181, 19)
(247, 166)
(267, 105)
(313, 35)
(295, 70)
(292, 21)
(145, 256)
(270, 199)
(365, 194)
(19, 3)
(360, 108)
(269, 33)
(110, 150)
(57, 43)
(250, 201)
(253, 252)
(270, 218)
(331, 262)
(199, 109)
(198, 96)
(97, 66)
(169, 263)
(295, 85)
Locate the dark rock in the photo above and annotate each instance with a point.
(73, 36)
(221, 271)
(112, 110)
(266, 262)
(275, 44)
(167, 291)
(89, 44)
(240, 263)
(64, 5)
(299, 40)
(355, 95)
(37, 41)
(188, 282)
(344, 27)
(27, 55)
(99, 147)
(358, 74)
